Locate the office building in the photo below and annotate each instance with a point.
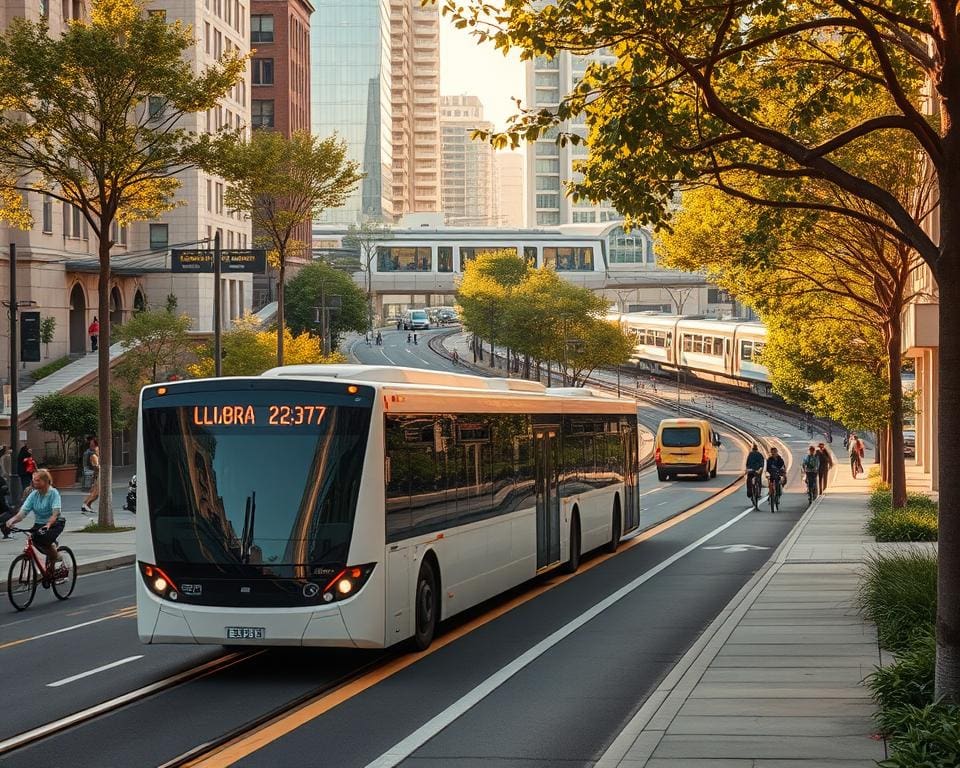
(467, 170)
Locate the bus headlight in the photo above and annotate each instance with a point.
(158, 582)
(347, 582)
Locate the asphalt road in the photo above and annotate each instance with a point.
(578, 672)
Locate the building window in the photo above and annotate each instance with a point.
(262, 70)
(718, 296)
(156, 105)
(445, 258)
(261, 28)
(159, 237)
(206, 36)
(47, 214)
(530, 255)
(45, 9)
(219, 198)
(209, 195)
(546, 149)
(404, 259)
(71, 221)
(548, 183)
(569, 259)
(548, 217)
(261, 113)
(548, 201)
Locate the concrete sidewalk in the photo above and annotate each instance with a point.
(775, 681)
(94, 551)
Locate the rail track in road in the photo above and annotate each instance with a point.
(330, 692)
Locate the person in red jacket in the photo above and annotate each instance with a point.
(94, 331)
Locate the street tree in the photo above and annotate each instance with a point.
(703, 93)
(94, 119)
(306, 291)
(283, 184)
(823, 273)
(249, 350)
(156, 343)
(364, 239)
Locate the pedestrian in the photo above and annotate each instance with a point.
(26, 466)
(5, 464)
(399, 325)
(826, 464)
(91, 474)
(367, 338)
(855, 464)
(846, 442)
(456, 357)
(94, 331)
(379, 339)
(414, 338)
(6, 511)
(409, 338)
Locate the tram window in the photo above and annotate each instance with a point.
(444, 258)
(687, 343)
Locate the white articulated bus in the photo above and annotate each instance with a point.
(360, 505)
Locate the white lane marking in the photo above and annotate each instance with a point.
(403, 749)
(74, 626)
(728, 549)
(95, 671)
(221, 662)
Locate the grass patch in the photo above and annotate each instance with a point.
(917, 521)
(929, 737)
(905, 684)
(52, 367)
(96, 528)
(899, 594)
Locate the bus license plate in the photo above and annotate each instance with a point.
(246, 633)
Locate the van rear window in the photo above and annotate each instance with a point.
(680, 437)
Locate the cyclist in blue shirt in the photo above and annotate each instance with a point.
(44, 502)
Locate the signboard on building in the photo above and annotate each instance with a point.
(30, 337)
(232, 261)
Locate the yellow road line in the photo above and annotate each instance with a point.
(283, 724)
(120, 613)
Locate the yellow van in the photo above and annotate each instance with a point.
(686, 447)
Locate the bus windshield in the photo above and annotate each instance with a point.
(253, 482)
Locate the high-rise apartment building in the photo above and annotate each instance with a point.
(375, 81)
(467, 169)
(415, 99)
(549, 166)
(508, 173)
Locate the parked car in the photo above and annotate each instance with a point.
(910, 443)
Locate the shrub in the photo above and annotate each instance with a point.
(929, 738)
(903, 525)
(52, 367)
(899, 594)
(908, 682)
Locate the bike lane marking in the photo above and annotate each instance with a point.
(94, 671)
(122, 613)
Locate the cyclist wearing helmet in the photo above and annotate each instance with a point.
(44, 502)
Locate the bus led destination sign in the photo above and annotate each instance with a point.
(248, 416)
(241, 260)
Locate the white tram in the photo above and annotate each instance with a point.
(719, 350)
(359, 505)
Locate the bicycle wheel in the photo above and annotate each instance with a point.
(22, 582)
(65, 580)
(773, 500)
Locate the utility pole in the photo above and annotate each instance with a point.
(14, 405)
(217, 321)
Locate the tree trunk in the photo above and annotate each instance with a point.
(895, 460)
(280, 314)
(104, 420)
(493, 354)
(948, 573)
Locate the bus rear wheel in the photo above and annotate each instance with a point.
(427, 606)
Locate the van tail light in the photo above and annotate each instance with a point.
(704, 459)
(656, 455)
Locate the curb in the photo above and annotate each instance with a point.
(663, 704)
(93, 566)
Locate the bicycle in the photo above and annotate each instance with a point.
(774, 493)
(812, 478)
(756, 488)
(28, 570)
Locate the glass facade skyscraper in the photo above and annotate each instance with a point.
(350, 95)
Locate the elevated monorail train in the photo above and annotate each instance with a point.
(726, 351)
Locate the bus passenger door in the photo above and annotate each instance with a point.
(631, 501)
(548, 499)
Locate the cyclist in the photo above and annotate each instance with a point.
(48, 523)
(855, 448)
(777, 469)
(755, 462)
(811, 468)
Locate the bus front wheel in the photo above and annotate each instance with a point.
(573, 563)
(427, 606)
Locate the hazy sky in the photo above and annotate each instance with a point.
(480, 70)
